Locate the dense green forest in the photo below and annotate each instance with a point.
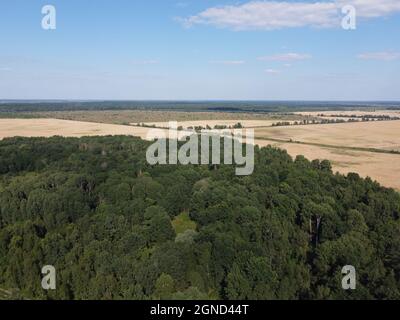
(18, 107)
(116, 228)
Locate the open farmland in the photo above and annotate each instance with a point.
(345, 145)
(52, 127)
(384, 168)
(68, 128)
(385, 136)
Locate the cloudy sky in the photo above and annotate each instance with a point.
(200, 50)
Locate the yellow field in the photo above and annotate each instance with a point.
(378, 134)
(67, 128)
(52, 127)
(384, 168)
(382, 135)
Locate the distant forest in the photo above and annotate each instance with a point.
(116, 228)
(10, 106)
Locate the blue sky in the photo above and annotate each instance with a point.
(200, 50)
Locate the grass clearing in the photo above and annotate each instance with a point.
(182, 222)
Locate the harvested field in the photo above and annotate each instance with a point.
(67, 128)
(378, 134)
(52, 127)
(384, 168)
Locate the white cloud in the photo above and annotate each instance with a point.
(272, 71)
(383, 56)
(372, 8)
(229, 62)
(287, 57)
(270, 15)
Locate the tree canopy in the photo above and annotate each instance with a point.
(115, 227)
